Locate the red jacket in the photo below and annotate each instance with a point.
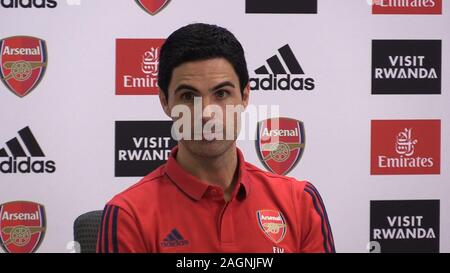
(170, 210)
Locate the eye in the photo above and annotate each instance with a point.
(221, 93)
(187, 96)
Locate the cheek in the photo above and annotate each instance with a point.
(231, 119)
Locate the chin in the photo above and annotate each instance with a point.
(208, 149)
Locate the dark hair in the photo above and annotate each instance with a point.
(197, 42)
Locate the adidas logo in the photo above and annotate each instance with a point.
(28, 4)
(16, 151)
(174, 239)
(294, 80)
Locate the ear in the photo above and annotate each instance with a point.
(246, 95)
(164, 102)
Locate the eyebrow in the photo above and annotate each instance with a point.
(185, 87)
(191, 88)
(223, 84)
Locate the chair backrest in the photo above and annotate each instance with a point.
(85, 230)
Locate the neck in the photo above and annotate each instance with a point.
(221, 170)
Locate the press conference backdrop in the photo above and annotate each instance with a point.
(363, 88)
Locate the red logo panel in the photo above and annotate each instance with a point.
(405, 147)
(137, 66)
(407, 7)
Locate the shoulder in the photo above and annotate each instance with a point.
(139, 194)
(274, 180)
(299, 189)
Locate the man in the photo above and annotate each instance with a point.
(206, 198)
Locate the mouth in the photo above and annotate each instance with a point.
(208, 137)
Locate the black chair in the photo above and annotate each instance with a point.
(85, 230)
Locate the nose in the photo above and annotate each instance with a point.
(207, 109)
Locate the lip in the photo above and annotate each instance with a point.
(206, 136)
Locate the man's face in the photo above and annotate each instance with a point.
(216, 83)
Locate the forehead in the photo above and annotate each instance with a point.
(204, 72)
